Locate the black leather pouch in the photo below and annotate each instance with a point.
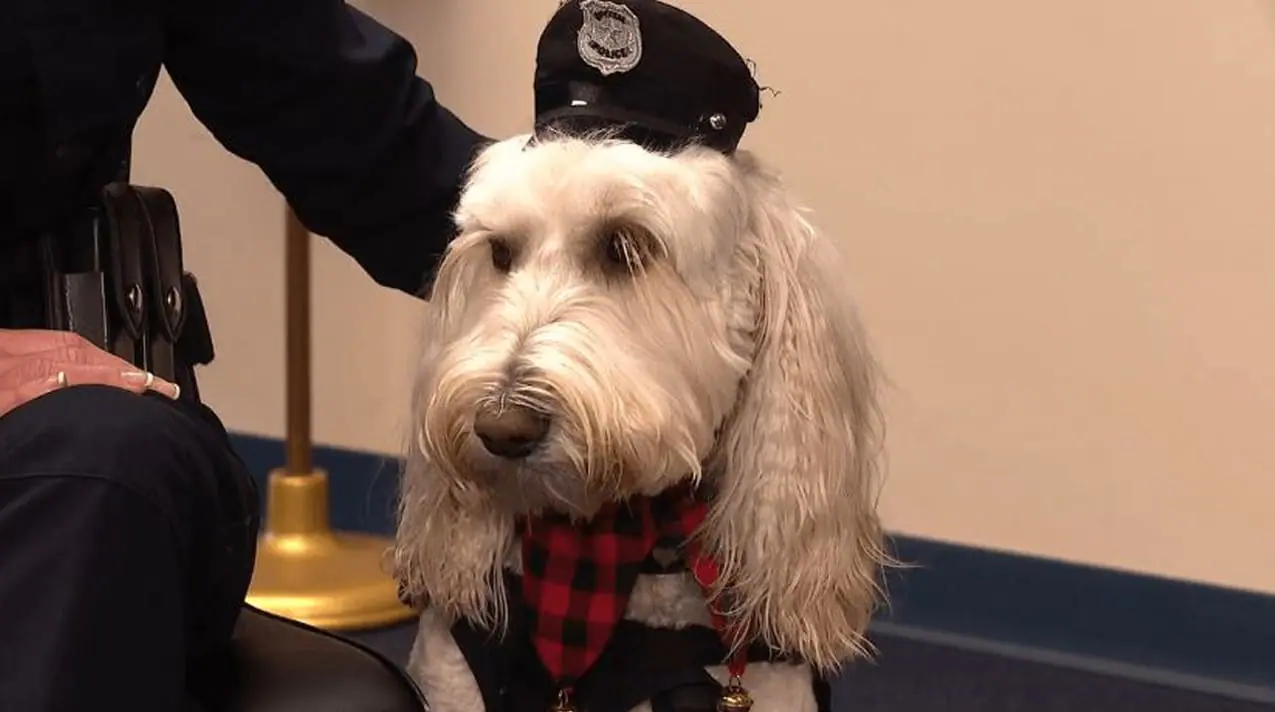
(116, 277)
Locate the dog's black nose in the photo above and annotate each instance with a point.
(511, 432)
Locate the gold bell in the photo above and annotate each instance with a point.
(734, 698)
(564, 703)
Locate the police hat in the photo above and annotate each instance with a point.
(647, 71)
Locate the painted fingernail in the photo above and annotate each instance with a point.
(147, 380)
(138, 378)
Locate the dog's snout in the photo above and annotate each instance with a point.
(511, 432)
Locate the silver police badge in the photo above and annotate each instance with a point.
(610, 39)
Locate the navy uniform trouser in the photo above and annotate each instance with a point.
(127, 535)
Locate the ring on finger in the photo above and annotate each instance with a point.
(62, 380)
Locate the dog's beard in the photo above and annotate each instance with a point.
(633, 407)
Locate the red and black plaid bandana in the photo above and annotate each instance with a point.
(577, 576)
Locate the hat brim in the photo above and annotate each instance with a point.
(614, 124)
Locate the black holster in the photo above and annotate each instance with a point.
(115, 276)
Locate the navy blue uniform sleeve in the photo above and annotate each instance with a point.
(327, 102)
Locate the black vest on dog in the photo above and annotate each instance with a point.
(640, 663)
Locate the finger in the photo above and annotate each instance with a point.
(76, 353)
(129, 380)
(19, 347)
(17, 370)
(151, 382)
(19, 342)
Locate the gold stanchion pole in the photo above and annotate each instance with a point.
(306, 571)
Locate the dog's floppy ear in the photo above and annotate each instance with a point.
(450, 543)
(794, 523)
(450, 546)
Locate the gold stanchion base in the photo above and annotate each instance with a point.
(307, 572)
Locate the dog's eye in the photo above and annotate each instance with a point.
(622, 251)
(502, 256)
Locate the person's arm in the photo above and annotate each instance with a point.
(327, 102)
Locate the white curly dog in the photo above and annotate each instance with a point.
(612, 322)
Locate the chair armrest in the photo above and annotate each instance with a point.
(279, 665)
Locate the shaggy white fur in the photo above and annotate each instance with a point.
(672, 317)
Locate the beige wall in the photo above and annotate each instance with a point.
(1062, 217)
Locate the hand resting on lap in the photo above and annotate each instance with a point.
(36, 362)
